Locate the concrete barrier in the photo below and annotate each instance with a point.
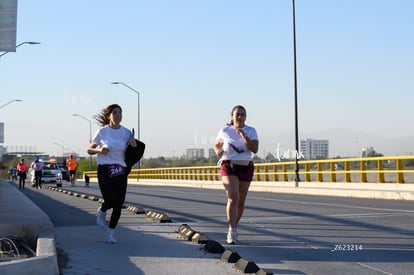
(392, 191)
(45, 261)
(19, 215)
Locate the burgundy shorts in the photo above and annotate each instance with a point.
(226, 170)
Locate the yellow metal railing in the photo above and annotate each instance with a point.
(376, 169)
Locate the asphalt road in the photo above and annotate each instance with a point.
(285, 234)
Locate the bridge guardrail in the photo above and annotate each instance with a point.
(394, 169)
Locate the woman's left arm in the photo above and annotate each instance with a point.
(132, 141)
(252, 144)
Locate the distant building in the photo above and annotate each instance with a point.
(315, 148)
(1, 132)
(194, 153)
(367, 152)
(211, 153)
(2, 151)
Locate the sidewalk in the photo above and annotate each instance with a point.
(144, 246)
(20, 217)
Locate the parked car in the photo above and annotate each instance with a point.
(65, 171)
(50, 173)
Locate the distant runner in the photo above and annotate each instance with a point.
(72, 164)
(22, 173)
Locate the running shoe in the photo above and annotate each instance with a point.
(101, 218)
(232, 237)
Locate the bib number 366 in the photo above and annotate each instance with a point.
(115, 170)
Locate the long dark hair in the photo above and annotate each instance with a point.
(103, 117)
(232, 111)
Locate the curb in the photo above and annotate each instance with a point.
(185, 232)
(227, 255)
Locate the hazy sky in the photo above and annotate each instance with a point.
(193, 60)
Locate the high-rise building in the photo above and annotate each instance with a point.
(2, 151)
(315, 148)
(1, 132)
(368, 152)
(193, 153)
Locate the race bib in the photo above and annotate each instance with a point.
(115, 170)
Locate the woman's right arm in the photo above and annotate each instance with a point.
(94, 149)
(218, 148)
(218, 145)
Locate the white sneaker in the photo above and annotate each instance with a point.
(232, 237)
(110, 236)
(101, 218)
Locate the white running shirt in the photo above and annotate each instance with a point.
(233, 146)
(116, 140)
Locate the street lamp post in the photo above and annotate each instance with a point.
(17, 100)
(122, 83)
(90, 135)
(138, 132)
(27, 42)
(61, 146)
(297, 179)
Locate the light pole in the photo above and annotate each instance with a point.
(61, 146)
(122, 83)
(138, 132)
(90, 135)
(297, 179)
(27, 42)
(17, 100)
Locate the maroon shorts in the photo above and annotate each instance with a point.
(227, 170)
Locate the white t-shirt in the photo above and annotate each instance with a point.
(37, 165)
(233, 145)
(116, 140)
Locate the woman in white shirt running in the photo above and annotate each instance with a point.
(235, 145)
(110, 143)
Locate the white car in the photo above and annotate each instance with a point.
(50, 173)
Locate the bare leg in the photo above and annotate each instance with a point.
(231, 184)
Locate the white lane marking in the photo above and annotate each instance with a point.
(300, 202)
(374, 268)
(334, 205)
(368, 215)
